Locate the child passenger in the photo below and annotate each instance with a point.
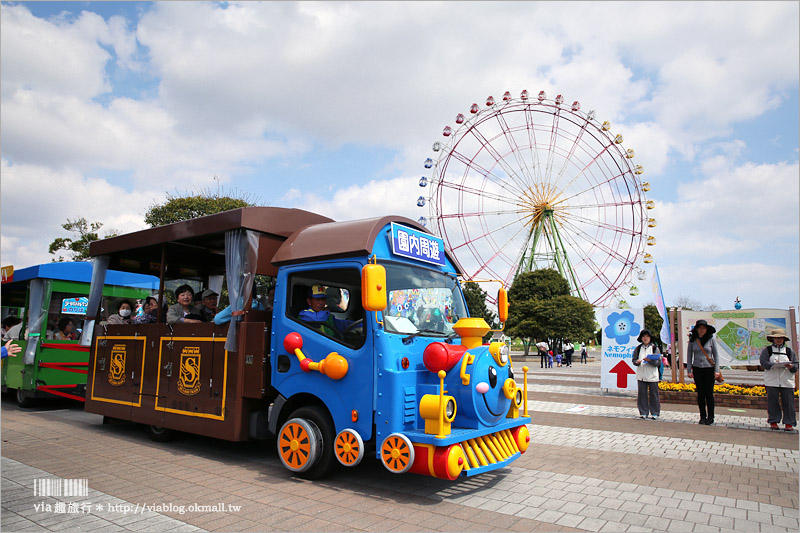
(647, 357)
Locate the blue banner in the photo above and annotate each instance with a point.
(666, 331)
(417, 245)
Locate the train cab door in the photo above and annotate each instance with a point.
(345, 333)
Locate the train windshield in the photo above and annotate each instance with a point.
(422, 301)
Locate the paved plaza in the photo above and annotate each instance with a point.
(593, 465)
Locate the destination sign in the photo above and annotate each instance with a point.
(74, 306)
(418, 245)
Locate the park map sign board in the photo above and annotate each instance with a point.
(620, 329)
(741, 334)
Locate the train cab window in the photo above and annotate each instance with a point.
(329, 302)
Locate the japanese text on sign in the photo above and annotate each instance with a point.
(417, 245)
(74, 306)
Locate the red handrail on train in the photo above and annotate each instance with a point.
(51, 389)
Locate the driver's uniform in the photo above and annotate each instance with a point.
(325, 321)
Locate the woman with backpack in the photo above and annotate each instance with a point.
(780, 365)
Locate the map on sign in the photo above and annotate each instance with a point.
(741, 333)
(744, 338)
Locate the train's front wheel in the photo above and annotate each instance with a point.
(306, 441)
(23, 400)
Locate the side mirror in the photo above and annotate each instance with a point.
(502, 304)
(373, 287)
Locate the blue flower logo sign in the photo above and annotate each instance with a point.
(621, 327)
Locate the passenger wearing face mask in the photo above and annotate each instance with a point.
(123, 314)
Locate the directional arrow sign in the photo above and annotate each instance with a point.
(622, 370)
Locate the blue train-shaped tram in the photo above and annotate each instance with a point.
(366, 347)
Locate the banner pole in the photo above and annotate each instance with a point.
(674, 361)
(679, 335)
(793, 320)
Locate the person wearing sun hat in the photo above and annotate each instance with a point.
(702, 360)
(780, 365)
(647, 359)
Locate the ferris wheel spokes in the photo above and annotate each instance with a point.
(498, 158)
(479, 192)
(532, 144)
(468, 163)
(610, 252)
(512, 144)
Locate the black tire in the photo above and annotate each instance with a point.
(326, 461)
(159, 434)
(23, 400)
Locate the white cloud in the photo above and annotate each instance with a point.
(733, 231)
(244, 86)
(373, 199)
(32, 220)
(52, 58)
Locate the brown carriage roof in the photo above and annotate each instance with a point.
(296, 235)
(278, 221)
(340, 239)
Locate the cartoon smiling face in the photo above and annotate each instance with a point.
(487, 397)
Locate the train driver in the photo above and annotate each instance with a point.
(319, 317)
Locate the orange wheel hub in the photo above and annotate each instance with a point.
(297, 445)
(397, 453)
(349, 447)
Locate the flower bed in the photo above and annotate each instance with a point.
(725, 394)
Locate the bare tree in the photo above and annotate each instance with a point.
(687, 302)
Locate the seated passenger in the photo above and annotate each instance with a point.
(209, 308)
(65, 327)
(9, 323)
(123, 314)
(185, 310)
(150, 314)
(317, 315)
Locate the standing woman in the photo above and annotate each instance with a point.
(702, 360)
(780, 365)
(647, 357)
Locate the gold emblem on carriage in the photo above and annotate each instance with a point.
(189, 378)
(116, 373)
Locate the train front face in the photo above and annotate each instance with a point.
(447, 405)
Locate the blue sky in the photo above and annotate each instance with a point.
(109, 106)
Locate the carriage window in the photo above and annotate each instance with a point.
(65, 316)
(329, 302)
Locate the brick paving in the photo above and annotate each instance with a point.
(593, 465)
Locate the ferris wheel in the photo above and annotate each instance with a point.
(528, 183)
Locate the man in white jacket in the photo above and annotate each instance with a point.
(780, 365)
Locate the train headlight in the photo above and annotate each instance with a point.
(518, 398)
(430, 410)
(504, 351)
(450, 409)
(500, 352)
